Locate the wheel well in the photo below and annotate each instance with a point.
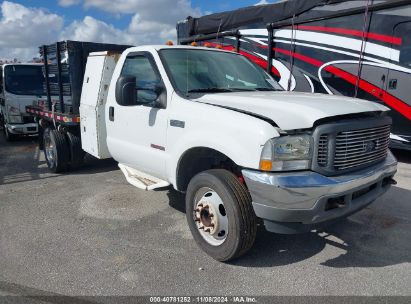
(200, 159)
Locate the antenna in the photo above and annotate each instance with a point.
(362, 49)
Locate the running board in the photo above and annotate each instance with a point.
(142, 180)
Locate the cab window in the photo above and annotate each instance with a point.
(147, 77)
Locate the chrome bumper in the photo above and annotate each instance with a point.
(293, 202)
(23, 129)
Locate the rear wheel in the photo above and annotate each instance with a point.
(220, 215)
(56, 150)
(76, 152)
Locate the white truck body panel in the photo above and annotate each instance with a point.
(97, 77)
(135, 131)
(217, 128)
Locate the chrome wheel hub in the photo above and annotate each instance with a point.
(49, 148)
(210, 216)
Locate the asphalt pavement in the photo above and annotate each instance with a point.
(91, 233)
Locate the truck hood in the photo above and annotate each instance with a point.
(290, 110)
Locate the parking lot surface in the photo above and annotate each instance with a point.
(91, 233)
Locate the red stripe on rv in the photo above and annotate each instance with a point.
(310, 60)
(348, 32)
(258, 60)
(390, 100)
(375, 91)
(261, 62)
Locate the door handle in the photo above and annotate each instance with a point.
(111, 113)
(392, 84)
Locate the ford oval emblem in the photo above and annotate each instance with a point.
(369, 146)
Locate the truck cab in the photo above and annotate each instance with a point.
(215, 126)
(20, 85)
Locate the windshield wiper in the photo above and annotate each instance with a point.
(209, 90)
(253, 89)
(265, 89)
(243, 89)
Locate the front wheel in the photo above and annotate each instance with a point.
(220, 215)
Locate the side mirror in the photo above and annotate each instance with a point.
(126, 94)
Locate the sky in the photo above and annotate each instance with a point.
(27, 24)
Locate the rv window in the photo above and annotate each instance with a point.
(405, 56)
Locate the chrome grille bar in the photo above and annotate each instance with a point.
(354, 148)
(322, 156)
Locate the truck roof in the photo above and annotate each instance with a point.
(28, 63)
(163, 47)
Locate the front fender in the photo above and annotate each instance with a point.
(241, 142)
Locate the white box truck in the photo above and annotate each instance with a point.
(21, 84)
(214, 125)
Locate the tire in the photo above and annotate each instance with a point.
(208, 187)
(76, 152)
(56, 150)
(40, 138)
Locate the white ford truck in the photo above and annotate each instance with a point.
(212, 124)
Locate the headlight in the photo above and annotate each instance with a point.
(15, 119)
(287, 153)
(14, 111)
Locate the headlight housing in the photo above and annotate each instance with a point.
(13, 110)
(15, 119)
(287, 153)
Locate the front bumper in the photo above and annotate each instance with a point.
(300, 201)
(23, 129)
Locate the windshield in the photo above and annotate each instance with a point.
(24, 79)
(195, 71)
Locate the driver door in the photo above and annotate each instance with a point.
(137, 133)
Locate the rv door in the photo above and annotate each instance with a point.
(398, 82)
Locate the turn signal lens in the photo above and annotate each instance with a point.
(169, 42)
(266, 165)
(193, 43)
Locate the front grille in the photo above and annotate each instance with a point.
(360, 147)
(345, 150)
(28, 119)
